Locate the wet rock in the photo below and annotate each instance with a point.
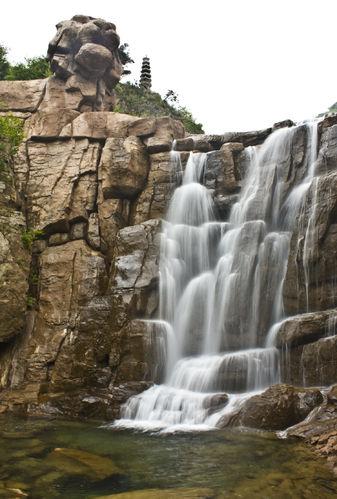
(184, 144)
(305, 328)
(216, 402)
(320, 430)
(206, 143)
(318, 363)
(221, 173)
(139, 354)
(311, 270)
(278, 408)
(327, 156)
(283, 124)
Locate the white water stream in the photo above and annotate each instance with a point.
(221, 288)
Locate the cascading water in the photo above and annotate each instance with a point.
(221, 288)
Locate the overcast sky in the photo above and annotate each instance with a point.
(236, 64)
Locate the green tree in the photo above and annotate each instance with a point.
(32, 69)
(124, 55)
(4, 64)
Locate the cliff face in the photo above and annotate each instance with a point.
(80, 215)
(90, 190)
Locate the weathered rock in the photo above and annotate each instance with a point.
(70, 277)
(320, 430)
(327, 157)
(99, 125)
(319, 362)
(283, 124)
(308, 349)
(48, 124)
(113, 214)
(85, 59)
(184, 144)
(153, 201)
(134, 277)
(305, 328)
(216, 402)
(138, 353)
(221, 173)
(14, 260)
(78, 231)
(279, 407)
(157, 133)
(123, 168)
(21, 95)
(62, 183)
(93, 236)
(205, 143)
(56, 239)
(318, 263)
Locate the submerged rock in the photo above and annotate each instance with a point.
(195, 493)
(76, 461)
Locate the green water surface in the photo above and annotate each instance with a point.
(58, 459)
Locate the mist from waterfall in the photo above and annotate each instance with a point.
(221, 287)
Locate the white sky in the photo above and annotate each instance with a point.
(236, 64)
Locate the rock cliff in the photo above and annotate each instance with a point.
(90, 187)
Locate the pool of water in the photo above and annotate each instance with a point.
(54, 459)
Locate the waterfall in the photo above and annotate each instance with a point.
(221, 287)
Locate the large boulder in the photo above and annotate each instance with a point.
(123, 168)
(85, 60)
(279, 407)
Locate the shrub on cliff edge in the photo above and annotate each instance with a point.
(135, 100)
(11, 134)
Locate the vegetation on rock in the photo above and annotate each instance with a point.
(32, 69)
(29, 236)
(135, 100)
(11, 134)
